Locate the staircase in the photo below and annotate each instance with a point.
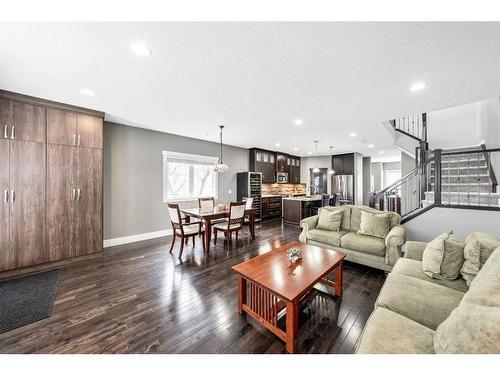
(461, 178)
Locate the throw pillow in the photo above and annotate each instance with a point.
(329, 220)
(375, 224)
(472, 263)
(443, 257)
(478, 248)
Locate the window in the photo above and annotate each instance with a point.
(188, 176)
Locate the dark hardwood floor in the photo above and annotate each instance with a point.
(138, 298)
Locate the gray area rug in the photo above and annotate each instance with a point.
(25, 300)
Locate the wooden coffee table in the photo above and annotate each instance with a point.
(269, 283)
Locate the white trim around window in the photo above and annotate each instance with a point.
(187, 177)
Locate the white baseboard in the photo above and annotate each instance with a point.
(137, 237)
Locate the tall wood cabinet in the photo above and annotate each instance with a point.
(50, 181)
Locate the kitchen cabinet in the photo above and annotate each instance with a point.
(281, 162)
(271, 207)
(343, 164)
(294, 174)
(72, 129)
(263, 161)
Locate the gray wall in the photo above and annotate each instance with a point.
(314, 162)
(367, 170)
(133, 177)
(461, 221)
(377, 176)
(407, 164)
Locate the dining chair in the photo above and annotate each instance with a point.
(208, 204)
(233, 224)
(182, 229)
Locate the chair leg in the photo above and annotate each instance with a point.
(199, 230)
(236, 238)
(182, 247)
(187, 239)
(193, 241)
(215, 236)
(173, 242)
(230, 239)
(203, 242)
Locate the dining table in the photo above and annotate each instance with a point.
(207, 216)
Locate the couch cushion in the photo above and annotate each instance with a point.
(375, 224)
(443, 257)
(470, 329)
(356, 216)
(329, 219)
(365, 244)
(426, 303)
(413, 268)
(487, 242)
(345, 224)
(474, 326)
(387, 332)
(327, 237)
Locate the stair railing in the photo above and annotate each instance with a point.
(405, 196)
(465, 178)
(414, 126)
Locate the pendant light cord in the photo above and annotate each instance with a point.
(221, 127)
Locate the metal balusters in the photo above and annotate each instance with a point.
(478, 179)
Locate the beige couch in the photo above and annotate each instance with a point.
(418, 314)
(370, 251)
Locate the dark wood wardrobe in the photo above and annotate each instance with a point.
(50, 181)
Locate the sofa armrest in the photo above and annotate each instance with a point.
(393, 242)
(415, 250)
(307, 224)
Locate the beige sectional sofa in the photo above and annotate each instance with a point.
(418, 314)
(381, 253)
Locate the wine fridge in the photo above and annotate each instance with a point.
(249, 184)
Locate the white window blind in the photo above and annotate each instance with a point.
(188, 176)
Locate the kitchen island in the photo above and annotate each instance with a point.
(297, 208)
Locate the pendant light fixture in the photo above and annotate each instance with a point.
(221, 167)
(316, 170)
(331, 171)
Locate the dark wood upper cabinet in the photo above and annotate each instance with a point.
(343, 164)
(5, 118)
(281, 165)
(61, 127)
(89, 129)
(4, 205)
(27, 203)
(270, 162)
(28, 122)
(294, 176)
(89, 201)
(61, 201)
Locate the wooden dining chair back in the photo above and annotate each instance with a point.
(234, 222)
(182, 229)
(248, 202)
(207, 203)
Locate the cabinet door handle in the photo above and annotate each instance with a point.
(13, 195)
(5, 131)
(78, 139)
(74, 139)
(6, 196)
(79, 191)
(12, 132)
(73, 194)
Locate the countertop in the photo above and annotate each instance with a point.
(279, 195)
(305, 199)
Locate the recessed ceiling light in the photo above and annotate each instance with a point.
(309, 152)
(381, 151)
(140, 49)
(87, 92)
(277, 144)
(353, 134)
(295, 149)
(371, 145)
(298, 122)
(417, 86)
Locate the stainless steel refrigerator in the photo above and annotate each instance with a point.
(343, 186)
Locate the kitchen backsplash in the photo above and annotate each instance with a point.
(283, 189)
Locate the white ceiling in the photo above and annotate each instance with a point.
(256, 78)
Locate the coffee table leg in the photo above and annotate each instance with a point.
(292, 326)
(242, 293)
(251, 224)
(338, 278)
